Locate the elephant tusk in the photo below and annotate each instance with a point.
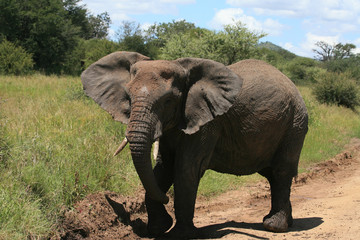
(121, 147)
(156, 149)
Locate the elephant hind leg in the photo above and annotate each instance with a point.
(280, 215)
(279, 175)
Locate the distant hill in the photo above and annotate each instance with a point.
(273, 47)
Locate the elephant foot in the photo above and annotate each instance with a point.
(278, 222)
(158, 225)
(182, 231)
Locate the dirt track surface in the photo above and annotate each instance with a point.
(326, 205)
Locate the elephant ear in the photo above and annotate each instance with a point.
(105, 80)
(213, 89)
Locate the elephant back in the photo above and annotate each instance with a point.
(265, 87)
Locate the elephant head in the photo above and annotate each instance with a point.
(155, 96)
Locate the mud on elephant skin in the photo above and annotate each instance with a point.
(238, 119)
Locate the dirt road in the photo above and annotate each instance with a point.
(326, 205)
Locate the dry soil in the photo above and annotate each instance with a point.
(326, 205)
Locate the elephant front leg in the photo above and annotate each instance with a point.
(159, 221)
(189, 168)
(192, 157)
(185, 188)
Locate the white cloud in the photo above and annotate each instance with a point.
(311, 39)
(112, 34)
(231, 15)
(271, 7)
(273, 27)
(146, 26)
(295, 49)
(123, 9)
(329, 19)
(357, 43)
(338, 16)
(178, 1)
(305, 49)
(288, 46)
(274, 12)
(262, 3)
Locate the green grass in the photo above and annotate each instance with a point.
(330, 129)
(56, 147)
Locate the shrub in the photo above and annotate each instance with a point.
(14, 59)
(98, 48)
(301, 69)
(350, 65)
(73, 63)
(85, 53)
(337, 88)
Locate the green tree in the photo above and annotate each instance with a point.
(91, 26)
(50, 30)
(228, 46)
(327, 52)
(158, 33)
(78, 16)
(130, 37)
(342, 51)
(239, 42)
(96, 49)
(42, 28)
(183, 45)
(99, 25)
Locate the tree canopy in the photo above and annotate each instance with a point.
(63, 37)
(233, 43)
(327, 52)
(49, 29)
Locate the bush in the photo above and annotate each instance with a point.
(98, 48)
(301, 69)
(85, 53)
(14, 60)
(337, 88)
(73, 63)
(350, 65)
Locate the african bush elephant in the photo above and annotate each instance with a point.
(238, 119)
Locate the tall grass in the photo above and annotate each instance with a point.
(330, 128)
(56, 147)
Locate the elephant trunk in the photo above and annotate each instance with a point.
(140, 136)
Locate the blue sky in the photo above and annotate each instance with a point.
(293, 25)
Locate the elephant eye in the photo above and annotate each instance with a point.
(168, 101)
(166, 75)
(133, 71)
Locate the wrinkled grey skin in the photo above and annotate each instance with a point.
(239, 119)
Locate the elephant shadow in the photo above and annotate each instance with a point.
(216, 230)
(138, 226)
(222, 229)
